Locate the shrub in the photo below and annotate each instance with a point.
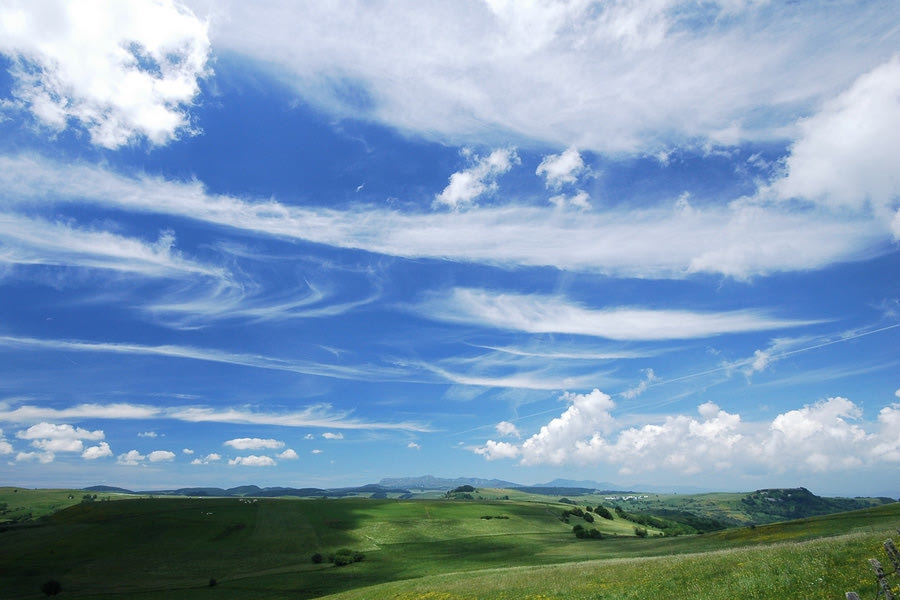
(640, 532)
(317, 558)
(212, 582)
(588, 517)
(603, 512)
(345, 556)
(51, 587)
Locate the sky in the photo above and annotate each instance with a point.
(317, 244)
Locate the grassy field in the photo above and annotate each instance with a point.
(173, 547)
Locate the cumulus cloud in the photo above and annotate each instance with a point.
(581, 200)
(5, 446)
(41, 457)
(413, 446)
(253, 461)
(254, 444)
(328, 435)
(187, 451)
(465, 186)
(131, 458)
(120, 70)
(507, 429)
(847, 154)
(59, 432)
(559, 169)
(317, 451)
(209, 458)
(826, 436)
(161, 456)
(288, 454)
(148, 434)
(52, 438)
(102, 450)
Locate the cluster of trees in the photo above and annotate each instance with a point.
(582, 532)
(587, 514)
(341, 558)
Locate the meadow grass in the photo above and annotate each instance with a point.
(172, 547)
(821, 569)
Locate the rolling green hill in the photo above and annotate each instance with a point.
(174, 547)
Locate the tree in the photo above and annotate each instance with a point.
(640, 532)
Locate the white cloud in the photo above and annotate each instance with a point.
(507, 429)
(131, 458)
(253, 461)
(59, 432)
(557, 442)
(328, 435)
(413, 446)
(465, 186)
(553, 314)
(581, 200)
(741, 239)
(847, 154)
(827, 436)
(161, 456)
(5, 446)
(897, 393)
(121, 70)
(41, 457)
(209, 458)
(319, 415)
(53, 438)
(102, 450)
(559, 169)
(612, 76)
(365, 372)
(31, 241)
(254, 444)
(493, 450)
(309, 436)
(148, 434)
(288, 454)
(640, 388)
(317, 451)
(59, 445)
(187, 451)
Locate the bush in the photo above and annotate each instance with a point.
(640, 532)
(345, 556)
(51, 587)
(588, 517)
(603, 512)
(212, 582)
(317, 558)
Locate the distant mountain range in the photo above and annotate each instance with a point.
(401, 485)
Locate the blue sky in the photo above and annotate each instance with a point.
(631, 242)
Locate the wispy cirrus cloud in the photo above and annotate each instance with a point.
(29, 241)
(739, 240)
(613, 76)
(554, 314)
(315, 416)
(209, 355)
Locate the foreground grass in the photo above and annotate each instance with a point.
(820, 569)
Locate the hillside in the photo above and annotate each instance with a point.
(167, 547)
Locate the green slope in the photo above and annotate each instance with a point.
(261, 548)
